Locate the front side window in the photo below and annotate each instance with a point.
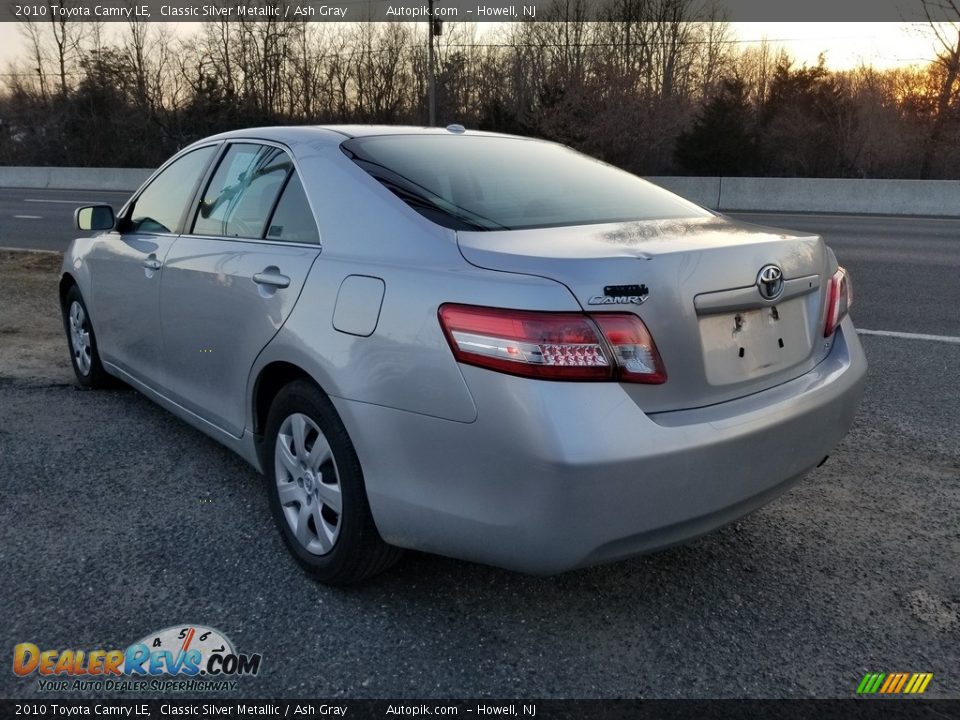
(242, 192)
(476, 182)
(159, 208)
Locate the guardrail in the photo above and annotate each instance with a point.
(820, 195)
(73, 178)
(823, 195)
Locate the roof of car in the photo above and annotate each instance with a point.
(366, 130)
(294, 134)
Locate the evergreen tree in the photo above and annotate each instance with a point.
(721, 140)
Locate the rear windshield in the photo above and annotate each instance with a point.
(470, 182)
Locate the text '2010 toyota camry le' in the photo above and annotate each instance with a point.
(489, 347)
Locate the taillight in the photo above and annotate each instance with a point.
(636, 355)
(551, 345)
(839, 300)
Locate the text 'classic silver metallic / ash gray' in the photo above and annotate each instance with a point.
(483, 346)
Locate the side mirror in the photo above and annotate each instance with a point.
(94, 217)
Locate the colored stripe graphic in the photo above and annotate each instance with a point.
(870, 683)
(901, 682)
(894, 683)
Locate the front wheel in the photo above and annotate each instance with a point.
(83, 343)
(316, 489)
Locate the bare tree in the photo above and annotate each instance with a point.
(33, 34)
(947, 34)
(66, 36)
(625, 89)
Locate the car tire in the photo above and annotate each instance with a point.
(316, 489)
(82, 342)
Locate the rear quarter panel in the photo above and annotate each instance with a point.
(405, 363)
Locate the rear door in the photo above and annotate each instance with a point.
(232, 278)
(126, 267)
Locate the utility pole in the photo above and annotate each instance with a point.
(431, 70)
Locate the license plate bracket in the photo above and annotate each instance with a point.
(746, 344)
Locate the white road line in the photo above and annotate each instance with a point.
(29, 217)
(912, 336)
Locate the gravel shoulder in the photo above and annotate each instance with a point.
(117, 519)
(31, 331)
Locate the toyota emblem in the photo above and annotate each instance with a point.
(770, 282)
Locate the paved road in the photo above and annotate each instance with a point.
(906, 271)
(43, 219)
(892, 259)
(117, 520)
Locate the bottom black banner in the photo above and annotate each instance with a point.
(484, 709)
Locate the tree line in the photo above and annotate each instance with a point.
(670, 93)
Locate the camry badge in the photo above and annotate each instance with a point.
(770, 282)
(621, 295)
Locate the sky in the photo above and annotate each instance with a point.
(846, 45)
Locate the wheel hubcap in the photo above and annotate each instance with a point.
(308, 484)
(80, 337)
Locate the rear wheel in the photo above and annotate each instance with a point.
(83, 342)
(316, 489)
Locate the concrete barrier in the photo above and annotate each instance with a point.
(820, 195)
(703, 191)
(887, 197)
(73, 178)
(814, 195)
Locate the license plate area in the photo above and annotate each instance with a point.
(748, 344)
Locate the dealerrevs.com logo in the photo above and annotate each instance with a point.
(180, 658)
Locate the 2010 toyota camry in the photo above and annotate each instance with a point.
(483, 346)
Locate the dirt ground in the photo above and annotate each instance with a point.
(32, 341)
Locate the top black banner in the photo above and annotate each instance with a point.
(472, 11)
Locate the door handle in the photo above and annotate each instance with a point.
(271, 277)
(152, 264)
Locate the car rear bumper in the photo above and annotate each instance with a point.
(554, 476)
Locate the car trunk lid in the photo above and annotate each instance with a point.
(694, 283)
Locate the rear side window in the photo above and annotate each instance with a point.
(293, 220)
(159, 208)
(479, 182)
(242, 192)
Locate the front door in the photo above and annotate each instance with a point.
(126, 267)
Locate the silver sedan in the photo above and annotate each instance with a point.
(483, 346)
